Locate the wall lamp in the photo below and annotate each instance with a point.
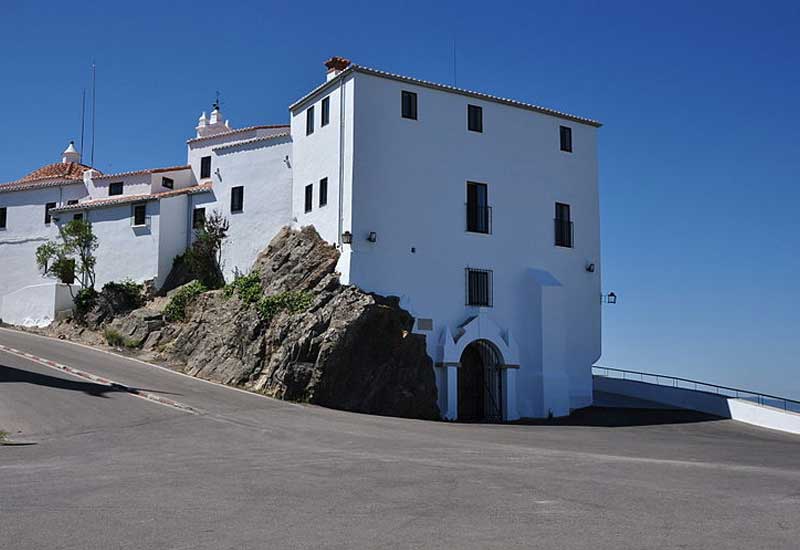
(347, 238)
(609, 298)
(590, 267)
(372, 237)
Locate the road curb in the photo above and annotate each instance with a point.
(99, 380)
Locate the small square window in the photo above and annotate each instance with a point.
(326, 111)
(205, 168)
(72, 202)
(237, 199)
(115, 189)
(323, 192)
(3, 217)
(474, 118)
(479, 287)
(198, 218)
(309, 204)
(168, 183)
(78, 216)
(310, 120)
(409, 105)
(139, 215)
(47, 207)
(566, 138)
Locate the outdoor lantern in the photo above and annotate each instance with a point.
(609, 298)
(372, 237)
(347, 238)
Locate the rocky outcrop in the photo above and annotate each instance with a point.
(349, 350)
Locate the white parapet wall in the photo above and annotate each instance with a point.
(616, 392)
(35, 305)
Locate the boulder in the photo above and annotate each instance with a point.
(349, 350)
(137, 325)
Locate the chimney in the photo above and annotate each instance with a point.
(70, 154)
(336, 65)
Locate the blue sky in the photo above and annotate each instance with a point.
(699, 155)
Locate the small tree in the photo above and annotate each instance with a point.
(71, 258)
(205, 255)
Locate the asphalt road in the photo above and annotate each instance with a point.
(112, 470)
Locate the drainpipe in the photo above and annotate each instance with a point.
(341, 162)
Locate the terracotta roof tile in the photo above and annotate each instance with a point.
(124, 199)
(237, 131)
(146, 171)
(51, 175)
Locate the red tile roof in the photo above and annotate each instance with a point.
(124, 199)
(237, 131)
(146, 171)
(48, 176)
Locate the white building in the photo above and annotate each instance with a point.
(480, 212)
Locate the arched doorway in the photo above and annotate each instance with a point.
(479, 383)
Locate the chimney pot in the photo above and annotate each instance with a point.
(337, 63)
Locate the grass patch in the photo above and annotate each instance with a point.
(117, 340)
(291, 301)
(247, 288)
(176, 308)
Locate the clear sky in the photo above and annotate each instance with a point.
(699, 155)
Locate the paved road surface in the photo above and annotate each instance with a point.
(110, 470)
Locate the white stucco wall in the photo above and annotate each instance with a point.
(36, 305)
(265, 173)
(409, 186)
(133, 184)
(181, 179)
(172, 233)
(26, 231)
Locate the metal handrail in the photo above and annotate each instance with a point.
(763, 399)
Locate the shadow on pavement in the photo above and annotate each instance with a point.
(617, 417)
(12, 375)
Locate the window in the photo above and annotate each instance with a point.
(115, 189)
(78, 216)
(323, 192)
(409, 105)
(566, 138)
(198, 218)
(479, 287)
(139, 215)
(479, 213)
(310, 120)
(205, 168)
(169, 183)
(474, 118)
(237, 199)
(309, 196)
(3, 217)
(563, 226)
(47, 208)
(72, 202)
(326, 111)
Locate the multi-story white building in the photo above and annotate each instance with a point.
(480, 212)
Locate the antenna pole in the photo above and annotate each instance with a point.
(455, 67)
(83, 117)
(94, 104)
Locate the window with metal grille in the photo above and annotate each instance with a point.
(563, 226)
(237, 199)
(479, 287)
(326, 111)
(309, 197)
(479, 213)
(198, 218)
(115, 188)
(474, 118)
(3, 217)
(323, 192)
(310, 120)
(205, 167)
(409, 105)
(139, 214)
(168, 183)
(566, 138)
(47, 207)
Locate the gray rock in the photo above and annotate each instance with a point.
(137, 325)
(349, 350)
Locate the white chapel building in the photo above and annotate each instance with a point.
(481, 213)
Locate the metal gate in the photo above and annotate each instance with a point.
(489, 394)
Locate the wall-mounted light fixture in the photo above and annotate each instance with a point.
(372, 237)
(347, 238)
(609, 298)
(590, 267)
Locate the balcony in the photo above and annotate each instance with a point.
(479, 219)
(564, 233)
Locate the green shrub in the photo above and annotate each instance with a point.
(176, 308)
(84, 300)
(246, 287)
(291, 301)
(117, 340)
(126, 295)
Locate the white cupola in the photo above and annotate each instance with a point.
(213, 125)
(70, 154)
